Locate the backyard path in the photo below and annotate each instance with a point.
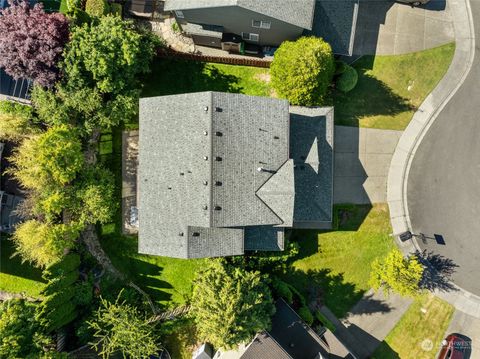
(362, 161)
(388, 28)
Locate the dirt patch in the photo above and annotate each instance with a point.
(264, 77)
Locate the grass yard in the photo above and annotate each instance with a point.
(16, 277)
(418, 335)
(170, 77)
(391, 88)
(339, 261)
(167, 280)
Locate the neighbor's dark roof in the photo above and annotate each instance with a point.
(199, 161)
(295, 12)
(289, 338)
(336, 21)
(294, 335)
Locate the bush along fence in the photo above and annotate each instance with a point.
(243, 61)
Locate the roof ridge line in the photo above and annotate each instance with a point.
(210, 184)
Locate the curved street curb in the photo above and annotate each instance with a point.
(415, 132)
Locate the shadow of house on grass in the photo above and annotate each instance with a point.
(170, 77)
(371, 97)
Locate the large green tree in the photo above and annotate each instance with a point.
(20, 333)
(109, 54)
(120, 327)
(397, 273)
(43, 243)
(302, 70)
(48, 160)
(230, 304)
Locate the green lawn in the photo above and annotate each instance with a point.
(176, 76)
(418, 335)
(391, 88)
(339, 261)
(16, 277)
(167, 280)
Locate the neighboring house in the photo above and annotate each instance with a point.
(226, 24)
(220, 174)
(290, 338)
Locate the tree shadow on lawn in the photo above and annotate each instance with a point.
(371, 97)
(169, 77)
(122, 250)
(347, 217)
(327, 288)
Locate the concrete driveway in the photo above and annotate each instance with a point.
(388, 28)
(362, 160)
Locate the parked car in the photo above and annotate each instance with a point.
(414, 2)
(453, 347)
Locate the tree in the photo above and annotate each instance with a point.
(120, 327)
(59, 306)
(20, 334)
(397, 273)
(302, 70)
(108, 55)
(31, 42)
(95, 200)
(43, 243)
(48, 160)
(230, 305)
(15, 121)
(83, 107)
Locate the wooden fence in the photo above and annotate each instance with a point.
(244, 61)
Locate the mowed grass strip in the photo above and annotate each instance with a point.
(419, 333)
(18, 277)
(339, 262)
(170, 77)
(391, 88)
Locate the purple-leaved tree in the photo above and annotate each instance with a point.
(31, 42)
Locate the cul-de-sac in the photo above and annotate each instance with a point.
(239, 179)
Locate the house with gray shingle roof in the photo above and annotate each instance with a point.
(228, 23)
(220, 174)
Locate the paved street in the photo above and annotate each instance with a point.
(388, 28)
(443, 188)
(362, 160)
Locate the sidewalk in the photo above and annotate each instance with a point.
(415, 132)
(369, 322)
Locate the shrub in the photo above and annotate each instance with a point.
(302, 70)
(347, 81)
(116, 9)
(282, 290)
(84, 293)
(340, 67)
(97, 8)
(14, 108)
(306, 315)
(69, 263)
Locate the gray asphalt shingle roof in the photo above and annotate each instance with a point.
(295, 12)
(199, 161)
(221, 173)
